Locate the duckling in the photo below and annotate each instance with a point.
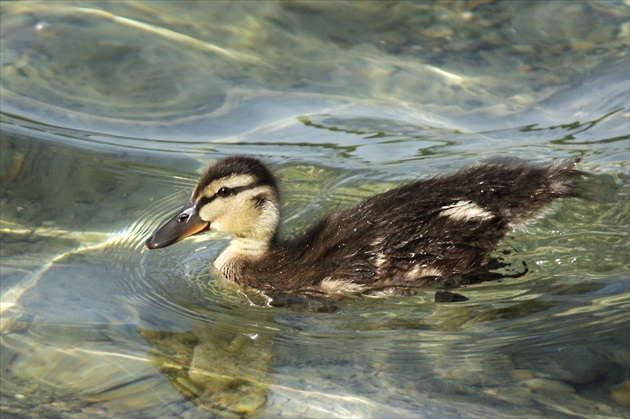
(421, 234)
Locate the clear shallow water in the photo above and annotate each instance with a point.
(107, 120)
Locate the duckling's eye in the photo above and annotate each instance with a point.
(224, 192)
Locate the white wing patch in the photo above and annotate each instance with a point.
(464, 211)
(422, 271)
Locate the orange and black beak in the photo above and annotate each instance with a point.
(186, 223)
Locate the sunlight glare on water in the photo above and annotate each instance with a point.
(111, 111)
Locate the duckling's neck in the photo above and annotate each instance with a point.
(254, 237)
(240, 252)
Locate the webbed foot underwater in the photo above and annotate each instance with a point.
(416, 235)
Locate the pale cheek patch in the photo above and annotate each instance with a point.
(239, 215)
(464, 211)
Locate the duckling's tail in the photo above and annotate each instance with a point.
(536, 187)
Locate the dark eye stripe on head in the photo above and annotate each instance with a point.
(235, 165)
(221, 193)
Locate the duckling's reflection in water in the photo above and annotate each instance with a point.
(221, 372)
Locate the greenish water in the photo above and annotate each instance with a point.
(109, 112)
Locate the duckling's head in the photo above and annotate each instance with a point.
(237, 195)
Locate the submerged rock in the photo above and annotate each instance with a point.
(578, 364)
(620, 393)
(547, 385)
